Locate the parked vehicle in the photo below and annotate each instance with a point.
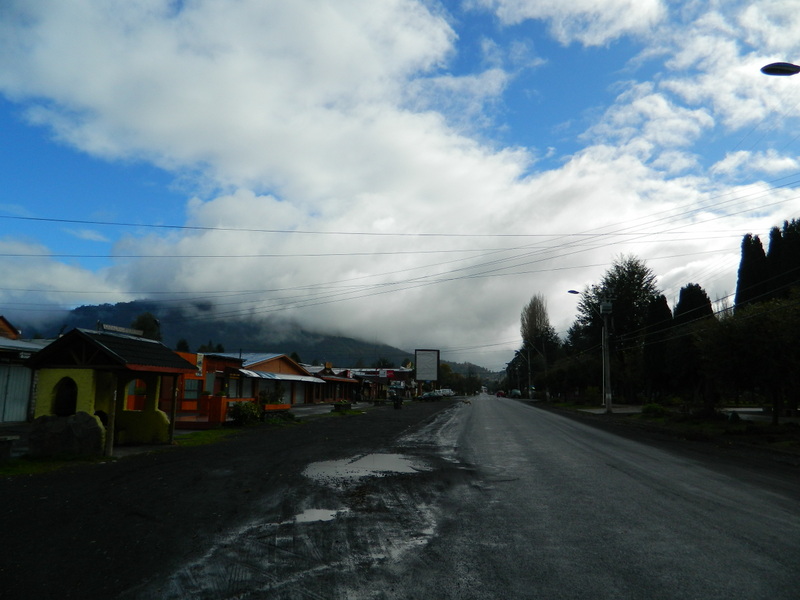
(446, 392)
(431, 395)
(501, 394)
(515, 394)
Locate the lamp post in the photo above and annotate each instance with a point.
(605, 311)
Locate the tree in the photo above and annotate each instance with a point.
(295, 357)
(752, 272)
(182, 345)
(630, 286)
(756, 351)
(540, 343)
(658, 328)
(534, 321)
(783, 260)
(382, 363)
(148, 325)
(693, 305)
(691, 314)
(210, 347)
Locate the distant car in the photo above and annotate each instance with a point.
(515, 394)
(501, 394)
(446, 392)
(431, 395)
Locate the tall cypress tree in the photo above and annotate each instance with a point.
(774, 284)
(752, 271)
(693, 305)
(693, 308)
(787, 267)
(658, 328)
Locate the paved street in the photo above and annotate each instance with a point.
(499, 499)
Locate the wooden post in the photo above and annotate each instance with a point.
(174, 410)
(109, 449)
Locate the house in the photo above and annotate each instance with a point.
(83, 376)
(7, 330)
(15, 376)
(274, 379)
(378, 382)
(340, 385)
(204, 396)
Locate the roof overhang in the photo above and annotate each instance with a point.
(339, 379)
(280, 376)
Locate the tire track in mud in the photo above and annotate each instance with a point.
(333, 535)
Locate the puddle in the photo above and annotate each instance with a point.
(313, 515)
(371, 465)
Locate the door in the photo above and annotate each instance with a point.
(299, 392)
(15, 392)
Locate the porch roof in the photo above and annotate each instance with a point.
(107, 350)
(280, 376)
(338, 379)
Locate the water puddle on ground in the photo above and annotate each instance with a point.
(313, 515)
(371, 465)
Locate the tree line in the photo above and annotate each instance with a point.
(694, 356)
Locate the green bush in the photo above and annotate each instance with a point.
(654, 410)
(244, 413)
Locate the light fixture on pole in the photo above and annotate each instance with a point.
(780, 69)
(604, 312)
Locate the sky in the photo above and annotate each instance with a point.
(404, 171)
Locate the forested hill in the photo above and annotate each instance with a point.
(197, 329)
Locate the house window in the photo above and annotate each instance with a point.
(191, 389)
(233, 388)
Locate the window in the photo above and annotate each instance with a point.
(192, 388)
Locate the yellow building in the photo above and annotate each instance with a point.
(88, 371)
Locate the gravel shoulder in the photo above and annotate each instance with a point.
(95, 531)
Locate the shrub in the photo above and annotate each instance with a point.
(244, 413)
(653, 410)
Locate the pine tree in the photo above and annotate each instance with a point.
(658, 328)
(752, 271)
(693, 305)
(693, 309)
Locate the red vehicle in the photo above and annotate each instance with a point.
(501, 394)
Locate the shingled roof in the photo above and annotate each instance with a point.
(83, 348)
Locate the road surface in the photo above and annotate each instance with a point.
(499, 499)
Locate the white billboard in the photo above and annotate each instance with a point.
(427, 364)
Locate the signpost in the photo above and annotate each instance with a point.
(427, 365)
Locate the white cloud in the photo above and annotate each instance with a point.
(344, 116)
(647, 122)
(35, 283)
(749, 163)
(585, 21)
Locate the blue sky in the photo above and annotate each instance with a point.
(409, 171)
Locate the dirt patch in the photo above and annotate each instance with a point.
(94, 531)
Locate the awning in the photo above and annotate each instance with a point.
(279, 376)
(339, 379)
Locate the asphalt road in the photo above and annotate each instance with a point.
(559, 509)
(489, 498)
(498, 499)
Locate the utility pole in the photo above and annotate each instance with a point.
(605, 311)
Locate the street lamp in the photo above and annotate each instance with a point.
(605, 311)
(781, 69)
